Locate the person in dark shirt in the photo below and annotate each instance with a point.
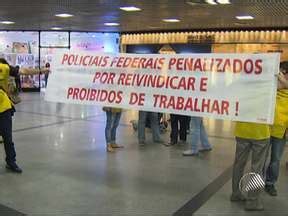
(17, 78)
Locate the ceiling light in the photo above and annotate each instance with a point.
(56, 28)
(111, 24)
(244, 17)
(153, 27)
(130, 8)
(212, 2)
(223, 1)
(7, 22)
(171, 20)
(64, 15)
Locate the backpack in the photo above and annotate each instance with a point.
(13, 92)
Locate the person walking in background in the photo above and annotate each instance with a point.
(278, 130)
(113, 116)
(177, 120)
(47, 66)
(18, 79)
(143, 115)
(198, 135)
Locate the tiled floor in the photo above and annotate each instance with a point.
(67, 171)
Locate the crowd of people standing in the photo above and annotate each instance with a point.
(260, 139)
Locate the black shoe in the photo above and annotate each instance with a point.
(271, 190)
(14, 168)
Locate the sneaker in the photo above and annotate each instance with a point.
(116, 146)
(254, 205)
(14, 168)
(109, 148)
(189, 153)
(205, 150)
(271, 190)
(237, 198)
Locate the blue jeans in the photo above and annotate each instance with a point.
(112, 123)
(154, 125)
(198, 134)
(277, 149)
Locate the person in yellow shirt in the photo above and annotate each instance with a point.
(7, 110)
(256, 138)
(278, 130)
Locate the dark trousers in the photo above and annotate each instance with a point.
(46, 79)
(183, 121)
(6, 133)
(18, 83)
(188, 122)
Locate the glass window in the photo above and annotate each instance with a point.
(54, 39)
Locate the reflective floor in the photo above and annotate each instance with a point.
(61, 149)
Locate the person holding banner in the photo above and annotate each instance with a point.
(198, 134)
(7, 110)
(255, 137)
(6, 113)
(278, 131)
(155, 128)
(113, 116)
(47, 66)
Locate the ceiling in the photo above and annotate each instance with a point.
(90, 15)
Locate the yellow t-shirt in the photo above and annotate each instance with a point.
(256, 131)
(5, 103)
(4, 76)
(281, 109)
(278, 131)
(281, 114)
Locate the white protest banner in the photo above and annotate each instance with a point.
(238, 87)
